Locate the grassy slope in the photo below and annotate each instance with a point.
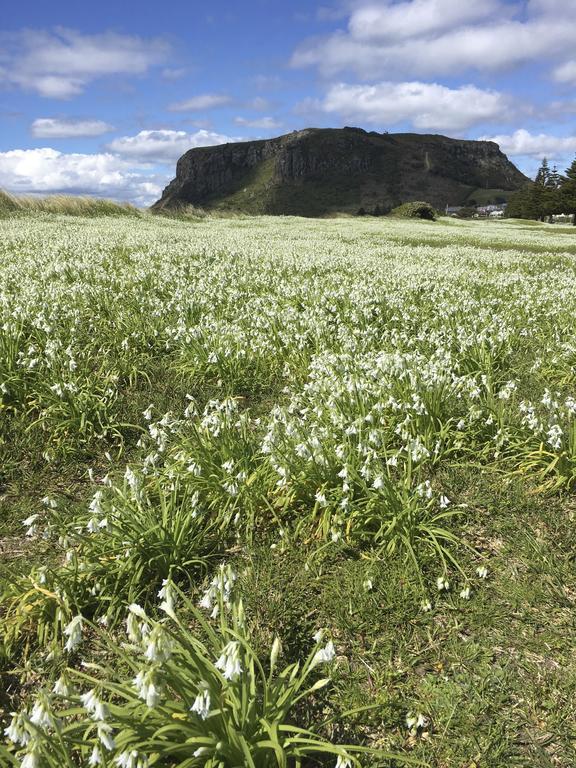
(496, 675)
(68, 205)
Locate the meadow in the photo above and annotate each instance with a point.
(277, 491)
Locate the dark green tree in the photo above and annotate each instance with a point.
(568, 192)
(543, 175)
(525, 203)
(539, 199)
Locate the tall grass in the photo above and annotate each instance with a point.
(68, 205)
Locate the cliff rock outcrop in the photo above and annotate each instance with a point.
(318, 171)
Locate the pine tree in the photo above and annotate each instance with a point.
(517, 203)
(556, 179)
(554, 201)
(542, 194)
(568, 192)
(543, 175)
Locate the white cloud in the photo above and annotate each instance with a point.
(259, 104)
(427, 38)
(164, 146)
(48, 171)
(171, 73)
(428, 106)
(522, 142)
(61, 63)
(55, 128)
(266, 123)
(566, 73)
(416, 18)
(201, 102)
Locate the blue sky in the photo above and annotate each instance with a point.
(102, 98)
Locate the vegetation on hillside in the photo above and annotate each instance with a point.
(284, 492)
(69, 205)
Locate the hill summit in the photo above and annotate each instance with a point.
(318, 171)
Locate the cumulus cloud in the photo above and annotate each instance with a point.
(61, 63)
(266, 123)
(441, 37)
(201, 102)
(48, 171)
(55, 128)
(524, 143)
(428, 106)
(416, 18)
(164, 146)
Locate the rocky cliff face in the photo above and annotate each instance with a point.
(318, 171)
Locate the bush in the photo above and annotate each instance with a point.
(466, 213)
(415, 210)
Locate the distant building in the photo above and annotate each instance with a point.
(488, 210)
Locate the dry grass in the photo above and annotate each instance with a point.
(68, 205)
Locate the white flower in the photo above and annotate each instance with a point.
(442, 583)
(167, 593)
(105, 732)
(482, 572)
(31, 760)
(202, 704)
(367, 585)
(41, 714)
(95, 757)
(145, 684)
(324, 655)
(131, 759)
(73, 632)
(134, 629)
(95, 707)
(17, 731)
(416, 722)
(229, 661)
(444, 502)
(465, 593)
(426, 606)
(343, 762)
(30, 524)
(137, 610)
(159, 646)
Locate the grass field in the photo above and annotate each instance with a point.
(349, 443)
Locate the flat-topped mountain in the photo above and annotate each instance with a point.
(319, 171)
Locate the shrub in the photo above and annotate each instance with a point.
(466, 213)
(415, 210)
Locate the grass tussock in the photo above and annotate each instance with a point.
(67, 205)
